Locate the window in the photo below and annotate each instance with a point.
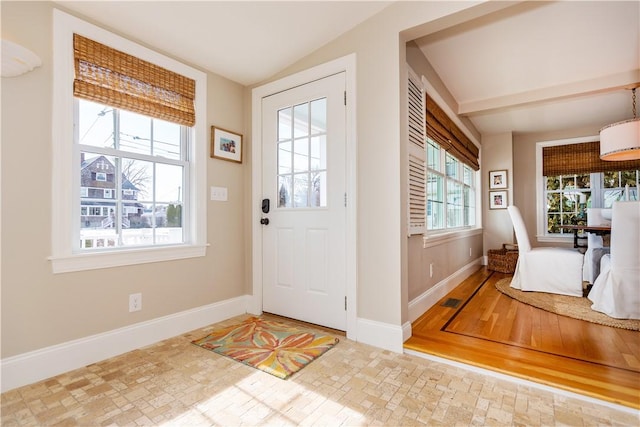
(450, 190)
(302, 155)
(145, 159)
(571, 178)
(469, 206)
(95, 210)
(568, 196)
(442, 165)
(435, 187)
(616, 184)
(129, 180)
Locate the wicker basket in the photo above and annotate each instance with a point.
(503, 260)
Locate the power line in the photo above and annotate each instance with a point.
(98, 117)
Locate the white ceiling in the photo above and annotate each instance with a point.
(537, 66)
(542, 66)
(244, 41)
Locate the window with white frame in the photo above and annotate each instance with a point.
(146, 161)
(573, 178)
(132, 181)
(442, 164)
(450, 190)
(435, 187)
(567, 197)
(469, 191)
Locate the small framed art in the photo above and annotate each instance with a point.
(497, 179)
(498, 200)
(226, 145)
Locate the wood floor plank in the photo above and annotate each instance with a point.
(493, 331)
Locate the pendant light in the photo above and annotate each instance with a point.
(621, 141)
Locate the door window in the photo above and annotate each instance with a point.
(302, 155)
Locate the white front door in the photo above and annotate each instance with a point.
(303, 180)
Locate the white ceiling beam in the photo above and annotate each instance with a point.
(611, 83)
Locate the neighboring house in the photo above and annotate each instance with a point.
(98, 195)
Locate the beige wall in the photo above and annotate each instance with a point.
(40, 309)
(497, 154)
(447, 259)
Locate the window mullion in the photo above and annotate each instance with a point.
(308, 143)
(152, 139)
(154, 225)
(118, 178)
(185, 156)
(153, 185)
(596, 189)
(135, 156)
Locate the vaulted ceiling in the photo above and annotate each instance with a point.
(244, 41)
(542, 66)
(532, 67)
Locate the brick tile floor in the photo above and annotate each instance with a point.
(176, 383)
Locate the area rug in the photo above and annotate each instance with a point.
(576, 307)
(276, 348)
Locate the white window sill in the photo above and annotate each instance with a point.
(436, 239)
(96, 260)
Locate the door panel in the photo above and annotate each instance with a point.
(303, 165)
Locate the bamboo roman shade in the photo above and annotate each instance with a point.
(114, 78)
(442, 130)
(580, 159)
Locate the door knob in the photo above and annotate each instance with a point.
(264, 221)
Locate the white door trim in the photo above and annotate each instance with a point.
(346, 64)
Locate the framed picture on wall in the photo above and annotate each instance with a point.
(498, 200)
(226, 145)
(497, 179)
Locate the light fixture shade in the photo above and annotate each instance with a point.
(17, 60)
(620, 141)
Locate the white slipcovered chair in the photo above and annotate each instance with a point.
(545, 269)
(595, 248)
(616, 291)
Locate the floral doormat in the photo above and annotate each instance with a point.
(276, 348)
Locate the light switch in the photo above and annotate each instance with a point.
(219, 194)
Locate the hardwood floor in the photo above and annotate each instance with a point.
(491, 330)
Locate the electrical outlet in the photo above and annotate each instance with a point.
(135, 302)
(469, 251)
(431, 270)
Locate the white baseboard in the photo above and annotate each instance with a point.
(419, 305)
(44, 363)
(381, 335)
(406, 331)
